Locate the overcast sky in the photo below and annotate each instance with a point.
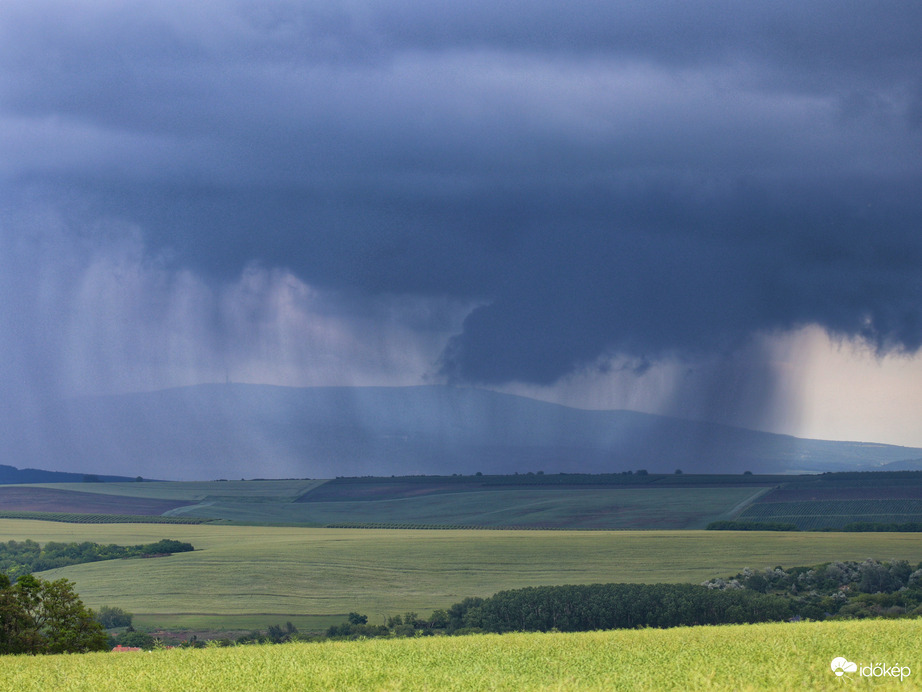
(705, 209)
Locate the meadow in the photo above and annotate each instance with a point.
(782, 656)
(432, 503)
(832, 501)
(608, 508)
(195, 491)
(554, 501)
(281, 573)
(820, 514)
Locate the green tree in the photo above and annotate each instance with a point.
(111, 618)
(38, 616)
(439, 619)
(14, 621)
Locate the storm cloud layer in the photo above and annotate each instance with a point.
(520, 190)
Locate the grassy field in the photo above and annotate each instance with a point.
(608, 508)
(50, 499)
(742, 657)
(833, 500)
(195, 491)
(281, 502)
(819, 514)
(285, 572)
(554, 501)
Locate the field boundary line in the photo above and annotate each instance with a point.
(738, 508)
(186, 508)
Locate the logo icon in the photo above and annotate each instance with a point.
(841, 665)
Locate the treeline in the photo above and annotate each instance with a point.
(856, 527)
(864, 477)
(843, 590)
(633, 477)
(908, 527)
(613, 606)
(579, 608)
(46, 617)
(452, 527)
(546, 608)
(729, 525)
(25, 557)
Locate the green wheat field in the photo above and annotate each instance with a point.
(242, 577)
(277, 502)
(789, 656)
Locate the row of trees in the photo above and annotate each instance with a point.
(857, 527)
(46, 617)
(736, 525)
(614, 606)
(864, 526)
(580, 608)
(25, 557)
(112, 618)
(870, 588)
(843, 590)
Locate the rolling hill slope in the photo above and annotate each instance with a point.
(234, 431)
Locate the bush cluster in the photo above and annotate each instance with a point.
(870, 588)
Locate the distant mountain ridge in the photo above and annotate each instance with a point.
(262, 431)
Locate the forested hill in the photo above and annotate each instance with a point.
(11, 475)
(236, 431)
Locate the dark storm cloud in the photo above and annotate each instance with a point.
(648, 179)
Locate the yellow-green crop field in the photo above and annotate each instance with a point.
(281, 573)
(786, 656)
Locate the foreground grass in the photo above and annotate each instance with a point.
(284, 571)
(742, 657)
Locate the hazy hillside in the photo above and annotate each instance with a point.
(11, 475)
(235, 431)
